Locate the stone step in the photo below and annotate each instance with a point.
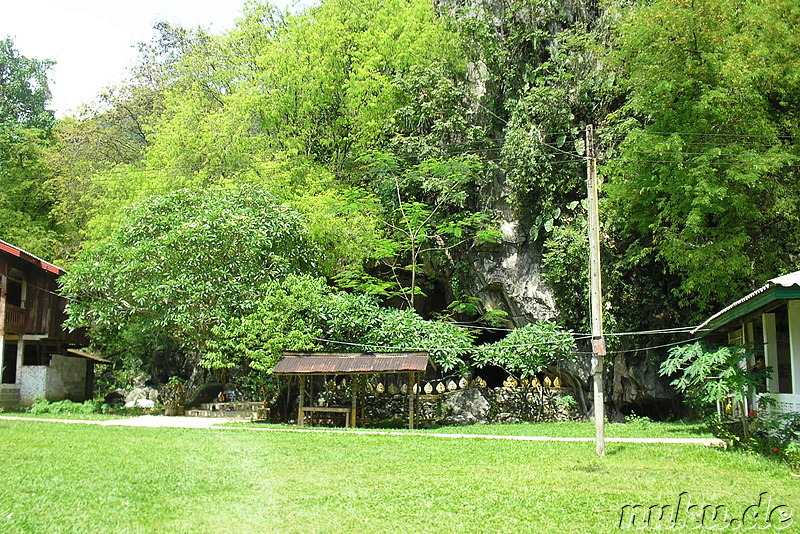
(230, 406)
(231, 414)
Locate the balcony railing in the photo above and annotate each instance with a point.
(15, 319)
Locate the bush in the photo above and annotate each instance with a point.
(792, 454)
(773, 435)
(637, 420)
(43, 406)
(567, 402)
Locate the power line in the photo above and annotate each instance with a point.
(582, 335)
(712, 163)
(377, 347)
(704, 134)
(641, 349)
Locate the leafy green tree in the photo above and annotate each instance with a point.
(183, 262)
(705, 178)
(707, 375)
(25, 91)
(529, 349)
(285, 317)
(305, 313)
(404, 330)
(713, 379)
(25, 125)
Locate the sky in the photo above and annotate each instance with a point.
(93, 42)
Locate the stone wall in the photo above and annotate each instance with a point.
(474, 405)
(66, 378)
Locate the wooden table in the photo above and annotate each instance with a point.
(310, 409)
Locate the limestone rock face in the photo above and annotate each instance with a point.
(141, 393)
(637, 379)
(466, 407)
(510, 279)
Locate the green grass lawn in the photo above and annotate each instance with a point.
(642, 429)
(73, 416)
(81, 478)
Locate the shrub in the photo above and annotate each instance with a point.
(43, 406)
(528, 349)
(792, 454)
(567, 402)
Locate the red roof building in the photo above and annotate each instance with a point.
(33, 344)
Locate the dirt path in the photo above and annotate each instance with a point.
(161, 421)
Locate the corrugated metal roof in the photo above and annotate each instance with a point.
(27, 256)
(83, 353)
(350, 362)
(787, 280)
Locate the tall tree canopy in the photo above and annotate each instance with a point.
(181, 263)
(25, 126)
(705, 177)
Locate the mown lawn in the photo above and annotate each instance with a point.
(578, 429)
(73, 416)
(81, 478)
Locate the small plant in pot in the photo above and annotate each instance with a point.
(173, 394)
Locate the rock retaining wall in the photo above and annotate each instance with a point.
(477, 405)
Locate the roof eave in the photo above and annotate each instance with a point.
(747, 305)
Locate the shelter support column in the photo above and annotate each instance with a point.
(354, 385)
(794, 343)
(411, 401)
(301, 401)
(771, 350)
(20, 356)
(3, 282)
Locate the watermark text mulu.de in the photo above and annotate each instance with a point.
(684, 514)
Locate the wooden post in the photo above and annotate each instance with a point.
(411, 401)
(598, 341)
(354, 385)
(363, 391)
(301, 402)
(3, 287)
(3, 282)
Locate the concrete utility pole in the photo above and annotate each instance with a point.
(598, 341)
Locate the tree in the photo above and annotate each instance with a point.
(705, 178)
(25, 125)
(715, 378)
(183, 262)
(305, 313)
(428, 217)
(529, 349)
(25, 92)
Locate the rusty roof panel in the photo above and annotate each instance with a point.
(353, 362)
(27, 256)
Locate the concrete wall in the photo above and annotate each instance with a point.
(64, 378)
(33, 383)
(67, 378)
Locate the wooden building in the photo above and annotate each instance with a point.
(35, 355)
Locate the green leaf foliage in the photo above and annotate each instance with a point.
(305, 313)
(529, 349)
(182, 262)
(706, 174)
(707, 374)
(25, 128)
